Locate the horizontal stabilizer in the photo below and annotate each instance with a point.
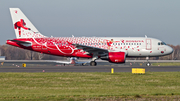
(23, 42)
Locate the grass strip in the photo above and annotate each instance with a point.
(81, 86)
(166, 64)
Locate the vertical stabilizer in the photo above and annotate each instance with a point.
(22, 26)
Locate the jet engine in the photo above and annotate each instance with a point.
(115, 57)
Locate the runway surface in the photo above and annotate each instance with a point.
(88, 69)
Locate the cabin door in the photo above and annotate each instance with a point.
(148, 44)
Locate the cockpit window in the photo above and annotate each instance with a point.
(161, 43)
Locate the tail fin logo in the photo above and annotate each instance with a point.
(20, 24)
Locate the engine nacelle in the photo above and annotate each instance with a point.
(115, 57)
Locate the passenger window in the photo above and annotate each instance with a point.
(126, 43)
(137, 43)
(134, 43)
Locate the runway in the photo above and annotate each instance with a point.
(88, 69)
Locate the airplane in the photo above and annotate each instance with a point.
(112, 49)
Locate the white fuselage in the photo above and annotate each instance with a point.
(139, 46)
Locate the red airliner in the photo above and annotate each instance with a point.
(112, 49)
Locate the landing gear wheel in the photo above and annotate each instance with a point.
(148, 64)
(93, 63)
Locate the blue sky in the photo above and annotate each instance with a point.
(112, 18)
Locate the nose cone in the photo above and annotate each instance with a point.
(169, 50)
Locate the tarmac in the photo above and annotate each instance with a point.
(46, 66)
(88, 68)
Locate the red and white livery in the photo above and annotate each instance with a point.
(112, 49)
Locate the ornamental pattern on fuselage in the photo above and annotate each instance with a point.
(65, 43)
(89, 41)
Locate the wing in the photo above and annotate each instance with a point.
(90, 49)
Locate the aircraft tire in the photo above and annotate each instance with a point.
(148, 64)
(93, 63)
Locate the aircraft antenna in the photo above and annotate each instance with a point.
(145, 36)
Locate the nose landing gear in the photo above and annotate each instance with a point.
(148, 63)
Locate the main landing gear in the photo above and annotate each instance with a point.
(93, 63)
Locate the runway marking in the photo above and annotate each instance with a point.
(88, 69)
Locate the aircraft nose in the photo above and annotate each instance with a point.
(169, 50)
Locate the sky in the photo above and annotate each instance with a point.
(111, 18)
